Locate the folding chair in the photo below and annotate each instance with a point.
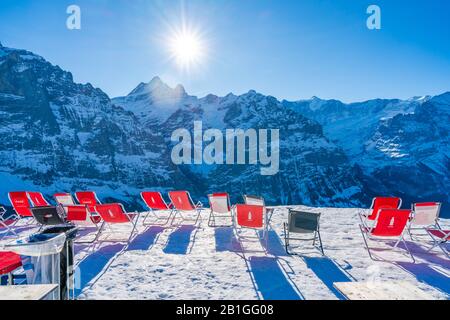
(303, 223)
(220, 208)
(389, 225)
(9, 262)
(78, 214)
(156, 204)
(21, 205)
(115, 214)
(254, 200)
(425, 216)
(48, 216)
(182, 203)
(6, 224)
(88, 198)
(440, 238)
(377, 204)
(37, 199)
(252, 217)
(64, 199)
(259, 201)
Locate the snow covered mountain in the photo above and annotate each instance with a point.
(400, 147)
(312, 169)
(57, 135)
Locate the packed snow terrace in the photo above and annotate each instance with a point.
(180, 249)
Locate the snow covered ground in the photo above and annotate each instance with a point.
(199, 262)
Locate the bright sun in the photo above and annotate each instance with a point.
(186, 48)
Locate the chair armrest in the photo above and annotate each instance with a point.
(365, 226)
(199, 205)
(361, 213)
(132, 215)
(13, 216)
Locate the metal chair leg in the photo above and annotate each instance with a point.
(320, 242)
(407, 249)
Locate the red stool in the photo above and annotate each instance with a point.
(9, 261)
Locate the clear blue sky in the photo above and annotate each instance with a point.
(291, 49)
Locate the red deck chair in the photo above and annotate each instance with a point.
(440, 238)
(251, 217)
(390, 225)
(380, 203)
(37, 199)
(115, 214)
(22, 207)
(20, 203)
(88, 198)
(156, 205)
(220, 208)
(182, 203)
(9, 262)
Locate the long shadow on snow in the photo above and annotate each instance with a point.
(178, 242)
(145, 240)
(93, 264)
(5, 233)
(424, 273)
(275, 246)
(271, 281)
(328, 272)
(422, 253)
(226, 240)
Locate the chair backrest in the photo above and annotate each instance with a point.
(303, 222)
(112, 213)
(250, 216)
(88, 198)
(181, 200)
(254, 200)
(219, 202)
(37, 199)
(391, 222)
(426, 214)
(47, 216)
(20, 203)
(64, 199)
(77, 214)
(384, 203)
(154, 200)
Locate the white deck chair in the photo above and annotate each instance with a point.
(425, 216)
(77, 214)
(220, 208)
(259, 201)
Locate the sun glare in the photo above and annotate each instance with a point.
(186, 48)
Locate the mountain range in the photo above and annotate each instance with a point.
(57, 135)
